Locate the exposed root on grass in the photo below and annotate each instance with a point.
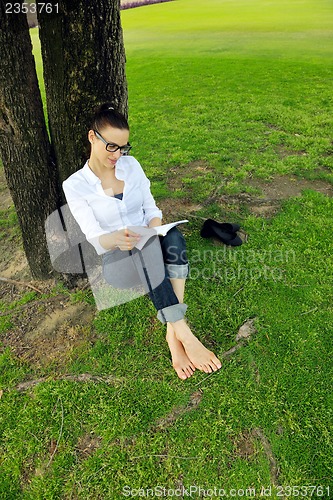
(176, 412)
(274, 468)
(245, 332)
(82, 377)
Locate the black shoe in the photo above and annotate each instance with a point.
(224, 231)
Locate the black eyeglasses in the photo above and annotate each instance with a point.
(112, 148)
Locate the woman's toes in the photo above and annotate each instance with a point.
(180, 361)
(189, 372)
(217, 363)
(183, 373)
(214, 366)
(214, 363)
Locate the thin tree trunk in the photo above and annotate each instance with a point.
(84, 65)
(24, 144)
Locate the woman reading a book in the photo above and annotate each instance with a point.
(110, 194)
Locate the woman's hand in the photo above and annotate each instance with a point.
(124, 239)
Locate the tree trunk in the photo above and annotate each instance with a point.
(84, 65)
(24, 144)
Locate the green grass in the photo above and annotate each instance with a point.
(232, 28)
(243, 88)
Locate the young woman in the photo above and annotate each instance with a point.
(110, 193)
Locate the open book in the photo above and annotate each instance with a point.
(148, 232)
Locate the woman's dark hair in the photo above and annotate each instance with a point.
(106, 115)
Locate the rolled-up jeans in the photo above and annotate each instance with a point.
(127, 269)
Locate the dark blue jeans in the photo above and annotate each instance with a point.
(176, 266)
(138, 270)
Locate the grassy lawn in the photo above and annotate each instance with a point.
(221, 94)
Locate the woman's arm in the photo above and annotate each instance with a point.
(84, 216)
(153, 215)
(156, 221)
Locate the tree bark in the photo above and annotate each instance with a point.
(84, 65)
(24, 144)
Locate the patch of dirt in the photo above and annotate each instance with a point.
(244, 445)
(245, 448)
(174, 209)
(282, 187)
(181, 208)
(176, 181)
(59, 347)
(268, 203)
(6, 200)
(87, 445)
(193, 170)
(15, 266)
(50, 324)
(45, 331)
(13, 262)
(48, 332)
(10, 292)
(283, 152)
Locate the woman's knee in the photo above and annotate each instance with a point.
(119, 270)
(174, 247)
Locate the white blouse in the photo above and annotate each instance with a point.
(98, 213)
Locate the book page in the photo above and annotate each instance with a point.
(147, 232)
(162, 230)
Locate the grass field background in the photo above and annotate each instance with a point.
(242, 89)
(241, 85)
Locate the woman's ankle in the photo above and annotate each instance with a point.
(182, 330)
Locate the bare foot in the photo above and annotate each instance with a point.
(199, 355)
(180, 361)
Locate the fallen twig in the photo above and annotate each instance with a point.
(19, 283)
(309, 312)
(234, 295)
(195, 216)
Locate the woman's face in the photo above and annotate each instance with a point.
(114, 136)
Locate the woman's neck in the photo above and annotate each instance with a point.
(99, 169)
